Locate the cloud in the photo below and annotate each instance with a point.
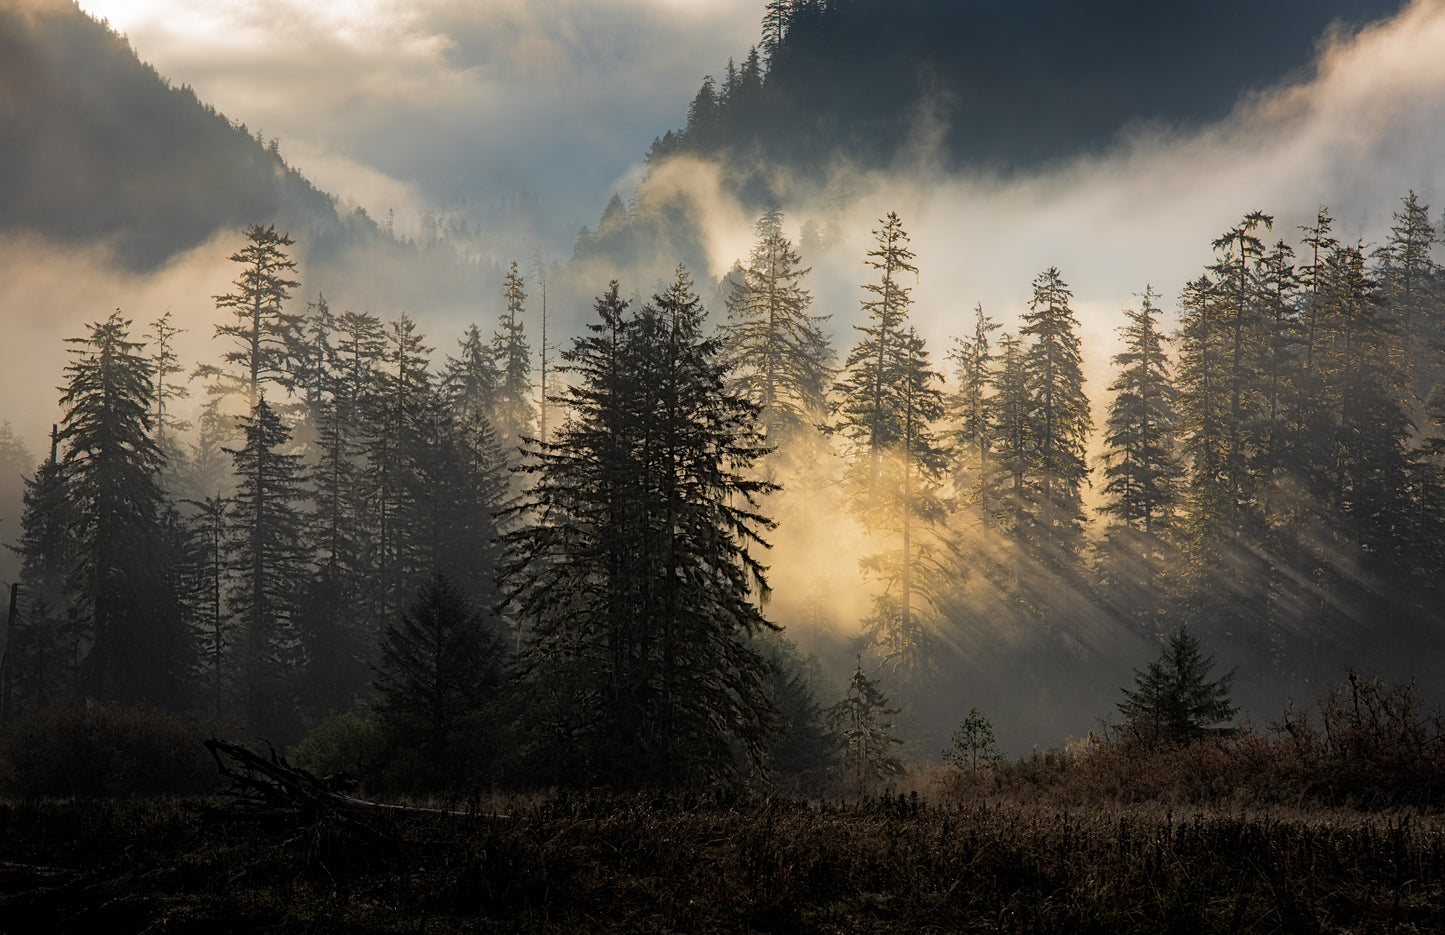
(1365, 127)
(454, 100)
(49, 293)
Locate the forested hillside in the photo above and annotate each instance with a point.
(1000, 85)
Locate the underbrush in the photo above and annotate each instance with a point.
(711, 864)
(106, 750)
(1367, 746)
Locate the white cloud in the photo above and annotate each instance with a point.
(458, 100)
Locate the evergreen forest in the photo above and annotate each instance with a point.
(720, 529)
(331, 525)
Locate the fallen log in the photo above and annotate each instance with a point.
(267, 789)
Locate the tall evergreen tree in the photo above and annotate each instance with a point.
(360, 343)
(43, 650)
(139, 649)
(1410, 284)
(636, 574)
(400, 390)
(1059, 417)
(871, 417)
(471, 378)
(908, 505)
(778, 350)
(971, 407)
(1245, 338)
(541, 276)
(162, 337)
(268, 566)
(215, 635)
(264, 337)
(312, 369)
(335, 635)
(1008, 488)
(440, 671)
(512, 413)
(1143, 473)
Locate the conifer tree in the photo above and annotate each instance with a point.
(333, 608)
(703, 117)
(471, 378)
(210, 525)
(1410, 285)
(1244, 333)
(43, 650)
(139, 649)
(909, 505)
(863, 721)
(361, 341)
(440, 670)
(971, 407)
(635, 574)
(778, 350)
(1365, 387)
(312, 369)
(399, 391)
(777, 19)
(512, 413)
(1175, 701)
(162, 336)
(1142, 472)
(541, 276)
(868, 406)
(264, 338)
(1059, 417)
(268, 567)
(1008, 482)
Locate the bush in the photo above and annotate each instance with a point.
(346, 743)
(107, 750)
(1374, 748)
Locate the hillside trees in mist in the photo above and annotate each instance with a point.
(635, 573)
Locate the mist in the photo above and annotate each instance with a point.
(1362, 128)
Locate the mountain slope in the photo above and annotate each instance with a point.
(1003, 85)
(95, 145)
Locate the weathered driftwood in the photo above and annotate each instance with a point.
(267, 789)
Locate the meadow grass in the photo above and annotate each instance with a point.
(720, 864)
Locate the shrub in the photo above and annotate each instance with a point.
(974, 746)
(107, 750)
(348, 744)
